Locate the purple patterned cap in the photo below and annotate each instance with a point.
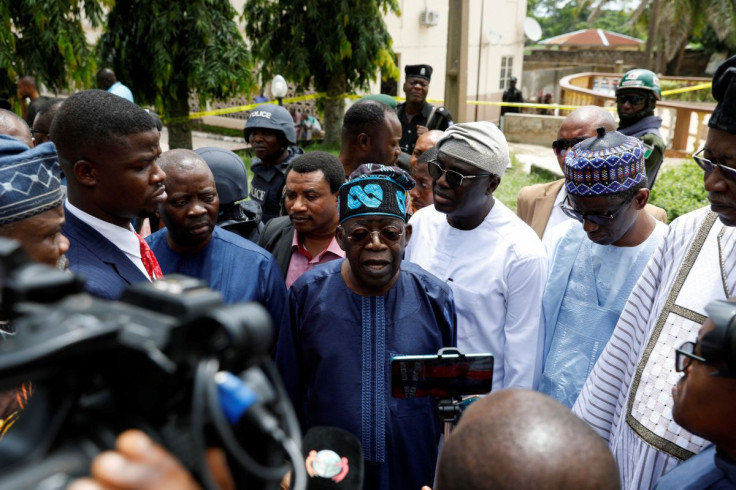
(605, 164)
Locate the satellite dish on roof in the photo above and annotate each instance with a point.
(493, 37)
(532, 30)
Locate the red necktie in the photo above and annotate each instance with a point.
(149, 260)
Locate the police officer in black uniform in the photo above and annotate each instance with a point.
(417, 116)
(270, 132)
(511, 94)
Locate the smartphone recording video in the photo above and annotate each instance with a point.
(447, 375)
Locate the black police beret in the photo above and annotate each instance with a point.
(421, 71)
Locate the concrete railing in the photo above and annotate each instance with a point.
(683, 133)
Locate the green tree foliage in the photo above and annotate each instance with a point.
(163, 50)
(45, 39)
(672, 24)
(557, 18)
(335, 45)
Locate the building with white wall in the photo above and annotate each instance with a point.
(495, 47)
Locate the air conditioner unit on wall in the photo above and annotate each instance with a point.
(429, 18)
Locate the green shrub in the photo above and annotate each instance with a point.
(702, 95)
(679, 190)
(515, 178)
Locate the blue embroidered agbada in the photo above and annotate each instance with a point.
(335, 363)
(239, 269)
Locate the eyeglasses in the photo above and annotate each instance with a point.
(453, 179)
(708, 166)
(684, 355)
(34, 132)
(633, 99)
(388, 235)
(561, 145)
(598, 219)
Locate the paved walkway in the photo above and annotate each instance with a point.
(537, 155)
(200, 140)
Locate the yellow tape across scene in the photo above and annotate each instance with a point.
(291, 100)
(690, 88)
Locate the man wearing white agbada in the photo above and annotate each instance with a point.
(494, 263)
(626, 399)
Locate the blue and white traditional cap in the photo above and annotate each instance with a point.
(608, 163)
(375, 189)
(30, 179)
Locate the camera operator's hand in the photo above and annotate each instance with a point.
(138, 463)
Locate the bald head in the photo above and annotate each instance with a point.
(181, 161)
(522, 439)
(424, 143)
(191, 206)
(581, 124)
(14, 125)
(106, 78)
(590, 117)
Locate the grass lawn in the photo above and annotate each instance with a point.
(515, 178)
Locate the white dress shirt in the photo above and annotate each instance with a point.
(497, 273)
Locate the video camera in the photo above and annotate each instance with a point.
(154, 360)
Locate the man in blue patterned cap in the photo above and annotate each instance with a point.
(350, 316)
(31, 212)
(30, 200)
(593, 267)
(627, 397)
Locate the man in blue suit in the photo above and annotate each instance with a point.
(108, 150)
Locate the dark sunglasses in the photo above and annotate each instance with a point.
(561, 145)
(708, 166)
(453, 179)
(633, 99)
(685, 355)
(388, 235)
(598, 219)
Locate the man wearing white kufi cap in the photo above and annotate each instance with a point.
(493, 261)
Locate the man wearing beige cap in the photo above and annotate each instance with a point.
(495, 263)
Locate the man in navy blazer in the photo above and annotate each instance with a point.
(108, 149)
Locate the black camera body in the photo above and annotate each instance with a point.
(98, 367)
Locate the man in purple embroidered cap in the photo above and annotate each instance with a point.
(593, 267)
(350, 316)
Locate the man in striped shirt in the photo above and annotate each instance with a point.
(627, 398)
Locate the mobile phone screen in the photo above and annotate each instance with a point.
(446, 376)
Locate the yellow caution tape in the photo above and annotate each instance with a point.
(291, 100)
(690, 88)
(242, 108)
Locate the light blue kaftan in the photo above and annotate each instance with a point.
(587, 288)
